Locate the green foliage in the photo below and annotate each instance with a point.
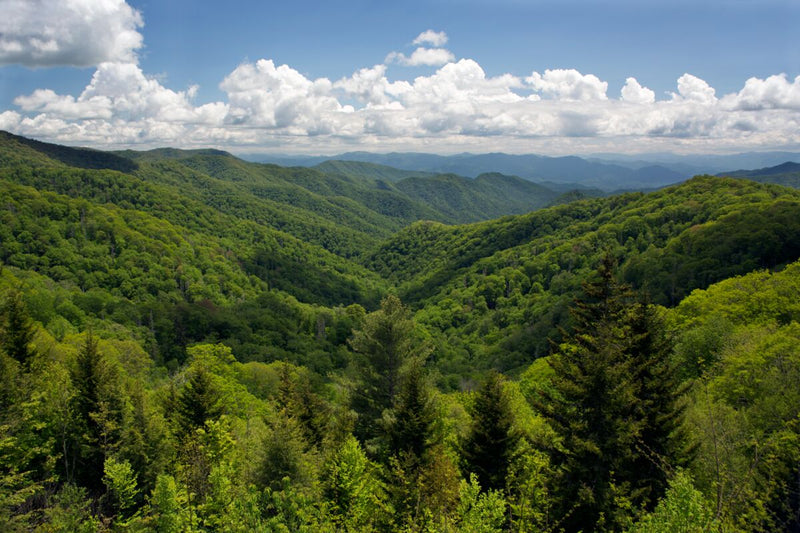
(613, 405)
(479, 512)
(683, 509)
(384, 343)
(69, 513)
(199, 401)
(489, 448)
(186, 347)
(166, 506)
(353, 495)
(120, 481)
(16, 329)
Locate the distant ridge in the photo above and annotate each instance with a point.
(786, 174)
(569, 169)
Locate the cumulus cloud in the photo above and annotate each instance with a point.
(457, 107)
(568, 84)
(775, 92)
(634, 93)
(693, 89)
(43, 33)
(432, 38)
(371, 86)
(261, 94)
(432, 57)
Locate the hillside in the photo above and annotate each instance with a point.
(498, 290)
(787, 174)
(604, 175)
(192, 342)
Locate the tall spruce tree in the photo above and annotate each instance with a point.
(410, 430)
(488, 449)
(594, 407)
(99, 406)
(385, 342)
(198, 401)
(662, 443)
(17, 329)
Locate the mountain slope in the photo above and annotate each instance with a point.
(607, 176)
(787, 174)
(499, 289)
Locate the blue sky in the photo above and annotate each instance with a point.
(444, 76)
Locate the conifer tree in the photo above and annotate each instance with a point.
(593, 408)
(198, 401)
(662, 445)
(100, 413)
(17, 330)
(384, 343)
(489, 447)
(410, 429)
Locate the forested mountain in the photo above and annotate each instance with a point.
(787, 174)
(192, 342)
(608, 176)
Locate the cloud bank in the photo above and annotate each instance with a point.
(455, 106)
(82, 33)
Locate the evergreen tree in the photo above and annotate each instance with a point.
(593, 407)
(410, 428)
(198, 401)
(100, 413)
(662, 445)
(17, 330)
(384, 343)
(488, 449)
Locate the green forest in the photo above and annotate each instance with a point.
(192, 342)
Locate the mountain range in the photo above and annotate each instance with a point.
(609, 173)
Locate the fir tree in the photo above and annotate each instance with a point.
(410, 429)
(384, 343)
(100, 413)
(17, 330)
(661, 442)
(198, 401)
(593, 407)
(488, 449)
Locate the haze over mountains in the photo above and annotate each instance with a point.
(610, 173)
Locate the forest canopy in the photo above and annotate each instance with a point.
(191, 342)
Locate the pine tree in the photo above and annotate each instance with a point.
(410, 429)
(662, 445)
(488, 449)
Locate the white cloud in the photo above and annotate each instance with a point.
(431, 37)
(9, 120)
(568, 84)
(458, 107)
(693, 89)
(775, 92)
(371, 86)
(281, 98)
(432, 57)
(81, 33)
(634, 93)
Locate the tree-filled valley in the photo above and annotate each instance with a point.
(193, 342)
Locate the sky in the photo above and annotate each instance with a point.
(551, 77)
